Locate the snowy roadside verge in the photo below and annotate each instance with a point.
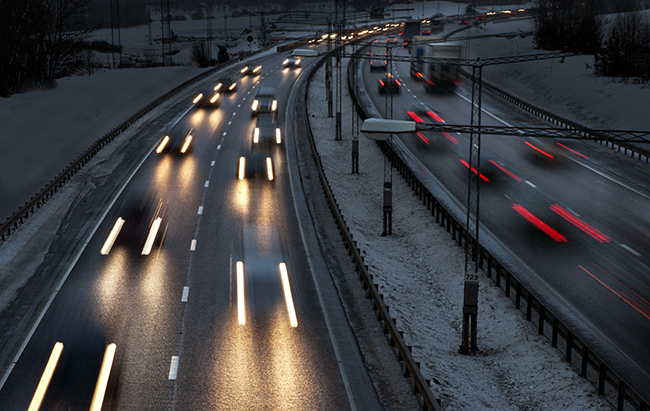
(418, 269)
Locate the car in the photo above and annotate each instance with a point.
(257, 162)
(267, 129)
(251, 70)
(264, 101)
(141, 223)
(389, 84)
(226, 84)
(206, 96)
(291, 61)
(177, 140)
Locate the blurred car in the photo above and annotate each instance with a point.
(264, 101)
(542, 152)
(291, 61)
(251, 70)
(389, 84)
(177, 140)
(141, 223)
(226, 84)
(207, 96)
(267, 129)
(257, 162)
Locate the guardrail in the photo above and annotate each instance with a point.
(560, 121)
(412, 367)
(37, 201)
(538, 308)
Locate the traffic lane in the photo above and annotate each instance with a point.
(579, 193)
(122, 267)
(253, 203)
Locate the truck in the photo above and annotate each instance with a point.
(438, 76)
(411, 28)
(419, 44)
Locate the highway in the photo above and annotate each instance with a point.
(232, 309)
(572, 218)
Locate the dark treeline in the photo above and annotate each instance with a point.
(42, 40)
(620, 43)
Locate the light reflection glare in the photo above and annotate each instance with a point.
(102, 381)
(106, 248)
(241, 305)
(46, 377)
(293, 320)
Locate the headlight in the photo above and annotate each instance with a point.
(162, 145)
(244, 70)
(256, 135)
(274, 106)
(242, 167)
(278, 138)
(214, 98)
(232, 86)
(197, 98)
(255, 104)
(285, 62)
(269, 168)
(217, 87)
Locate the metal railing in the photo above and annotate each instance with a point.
(538, 307)
(641, 152)
(412, 367)
(37, 201)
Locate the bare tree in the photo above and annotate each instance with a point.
(626, 52)
(63, 28)
(264, 35)
(567, 25)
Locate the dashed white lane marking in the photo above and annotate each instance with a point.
(224, 133)
(193, 245)
(173, 367)
(214, 162)
(207, 183)
(631, 250)
(531, 184)
(200, 210)
(186, 294)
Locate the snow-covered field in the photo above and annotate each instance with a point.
(418, 268)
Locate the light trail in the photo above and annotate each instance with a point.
(287, 295)
(46, 377)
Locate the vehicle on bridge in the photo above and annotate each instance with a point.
(251, 70)
(207, 96)
(438, 75)
(226, 84)
(267, 129)
(389, 84)
(177, 140)
(264, 101)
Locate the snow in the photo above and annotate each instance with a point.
(418, 268)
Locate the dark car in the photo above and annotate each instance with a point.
(141, 223)
(177, 140)
(291, 61)
(257, 162)
(389, 84)
(267, 129)
(252, 69)
(226, 84)
(206, 96)
(264, 101)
